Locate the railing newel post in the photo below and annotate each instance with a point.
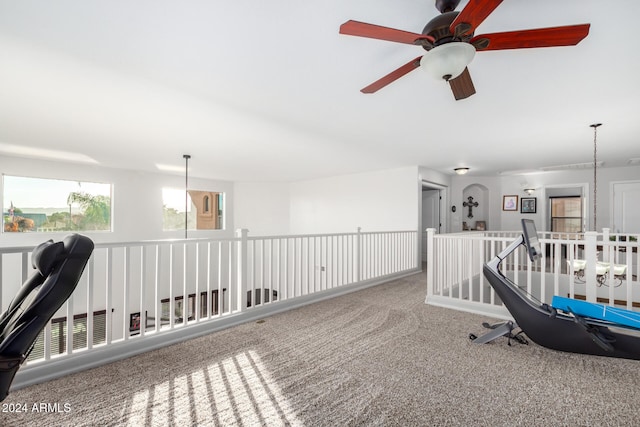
(430, 266)
(358, 266)
(242, 234)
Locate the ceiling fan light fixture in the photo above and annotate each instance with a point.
(448, 60)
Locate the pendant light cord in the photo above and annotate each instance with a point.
(595, 173)
(186, 193)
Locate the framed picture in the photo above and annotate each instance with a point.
(134, 323)
(509, 203)
(528, 205)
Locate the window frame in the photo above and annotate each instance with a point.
(579, 217)
(7, 210)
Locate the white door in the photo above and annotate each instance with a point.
(626, 207)
(430, 215)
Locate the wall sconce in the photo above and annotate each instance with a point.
(529, 191)
(461, 171)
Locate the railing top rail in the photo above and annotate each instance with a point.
(16, 249)
(619, 243)
(105, 245)
(162, 242)
(475, 236)
(298, 236)
(545, 237)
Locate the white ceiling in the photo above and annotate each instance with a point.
(268, 90)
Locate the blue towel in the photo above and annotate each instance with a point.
(593, 310)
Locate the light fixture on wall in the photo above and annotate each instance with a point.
(529, 191)
(448, 60)
(595, 172)
(461, 171)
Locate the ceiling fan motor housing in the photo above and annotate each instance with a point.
(438, 28)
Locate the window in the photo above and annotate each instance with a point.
(59, 334)
(566, 214)
(204, 209)
(50, 205)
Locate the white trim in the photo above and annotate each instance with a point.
(496, 311)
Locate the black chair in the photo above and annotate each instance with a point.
(59, 266)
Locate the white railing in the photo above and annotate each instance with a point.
(144, 295)
(598, 267)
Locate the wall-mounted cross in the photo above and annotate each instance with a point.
(471, 204)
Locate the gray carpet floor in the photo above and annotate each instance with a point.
(376, 357)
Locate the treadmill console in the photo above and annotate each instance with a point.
(531, 239)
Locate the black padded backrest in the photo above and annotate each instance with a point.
(46, 255)
(44, 258)
(59, 267)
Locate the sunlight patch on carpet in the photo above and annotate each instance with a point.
(238, 390)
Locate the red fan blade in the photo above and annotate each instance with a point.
(392, 76)
(569, 35)
(473, 14)
(362, 29)
(462, 86)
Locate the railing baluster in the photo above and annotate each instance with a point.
(143, 293)
(156, 290)
(125, 284)
(196, 299)
(263, 286)
(24, 266)
(232, 290)
(279, 268)
(69, 331)
(219, 286)
(185, 294)
(252, 265)
(171, 300)
(109, 296)
(308, 264)
(208, 298)
(286, 268)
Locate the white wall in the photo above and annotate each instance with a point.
(489, 207)
(376, 201)
(515, 185)
(137, 200)
(511, 220)
(380, 200)
(262, 208)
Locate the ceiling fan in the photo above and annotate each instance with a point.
(451, 45)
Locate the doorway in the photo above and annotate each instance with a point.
(568, 198)
(626, 207)
(431, 212)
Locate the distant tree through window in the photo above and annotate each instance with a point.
(51, 205)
